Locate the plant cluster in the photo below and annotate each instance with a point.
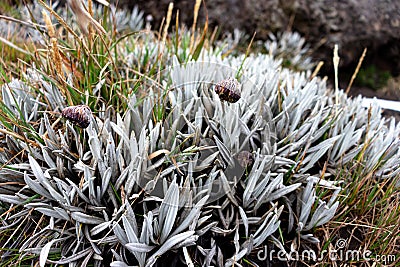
(166, 172)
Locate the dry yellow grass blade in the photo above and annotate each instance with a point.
(19, 49)
(195, 15)
(167, 21)
(356, 70)
(159, 152)
(20, 137)
(103, 2)
(317, 69)
(83, 18)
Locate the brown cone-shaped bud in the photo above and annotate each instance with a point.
(79, 115)
(228, 90)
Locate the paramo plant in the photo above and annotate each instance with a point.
(174, 174)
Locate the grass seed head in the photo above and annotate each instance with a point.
(49, 25)
(56, 57)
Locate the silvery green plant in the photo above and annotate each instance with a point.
(165, 181)
(291, 48)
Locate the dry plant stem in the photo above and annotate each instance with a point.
(356, 70)
(25, 23)
(195, 15)
(336, 59)
(60, 19)
(317, 69)
(49, 24)
(164, 36)
(177, 43)
(5, 41)
(19, 137)
(83, 17)
(245, 56)
(213, 35)
(159, 152)
(12, 158)
(103, 2)
(90, 7)
(167, 21)
(90, 27)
